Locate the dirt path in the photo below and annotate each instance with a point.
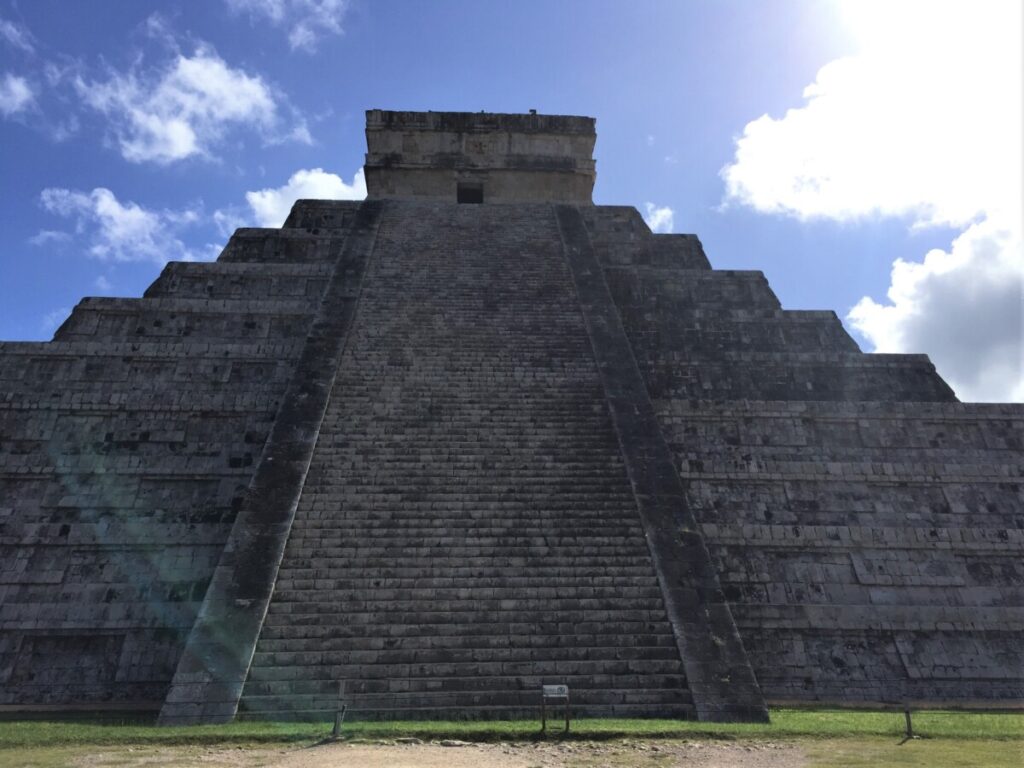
(868, 752)
(579, 754)
(617, 754)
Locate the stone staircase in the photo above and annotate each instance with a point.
(467, 530)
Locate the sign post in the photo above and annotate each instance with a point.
(553, 693)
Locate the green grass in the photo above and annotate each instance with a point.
(786, 724)
(829, 739)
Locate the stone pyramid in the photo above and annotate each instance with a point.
(423, 453)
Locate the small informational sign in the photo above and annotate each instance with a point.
(559, 693)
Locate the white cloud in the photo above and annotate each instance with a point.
(660, 220)
(210, 252)
(119, 231)
(64, 129)
(157, 27)
(964, 306)
(923, 123)
(183, 110)
(300, 133)
(15, 95)
(102, 284)
(58, 74)
(306, 20)
(16, 35)
(271, 206)
(47, 236)
(53, 319)
(227, 220)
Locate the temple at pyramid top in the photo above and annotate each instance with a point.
(479, 157)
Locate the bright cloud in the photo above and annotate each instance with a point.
(183, 110)
(306, 20)
(121, 231)
(660, 220)
(15, 95)
(964, 307)
(16, 36)
(924, 123)
(271, 206)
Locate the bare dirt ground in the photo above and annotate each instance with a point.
(628, 754)
(634, 755)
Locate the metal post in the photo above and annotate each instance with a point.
(910, 726)
(339, 711)
(338, 717)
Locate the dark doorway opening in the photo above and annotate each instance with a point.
(469, 193)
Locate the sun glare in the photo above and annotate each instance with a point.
(958, 26)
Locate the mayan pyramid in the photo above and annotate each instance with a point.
(425, 452)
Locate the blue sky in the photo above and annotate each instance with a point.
(864, 155)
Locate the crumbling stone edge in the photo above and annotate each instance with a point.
(211, 672)
(718, 673)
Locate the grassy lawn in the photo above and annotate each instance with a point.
(785, 724)
(829, 737)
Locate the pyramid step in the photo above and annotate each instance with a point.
(459, 706)
(323, 639)
(294, 578)
(584, 683)
(269, 664)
